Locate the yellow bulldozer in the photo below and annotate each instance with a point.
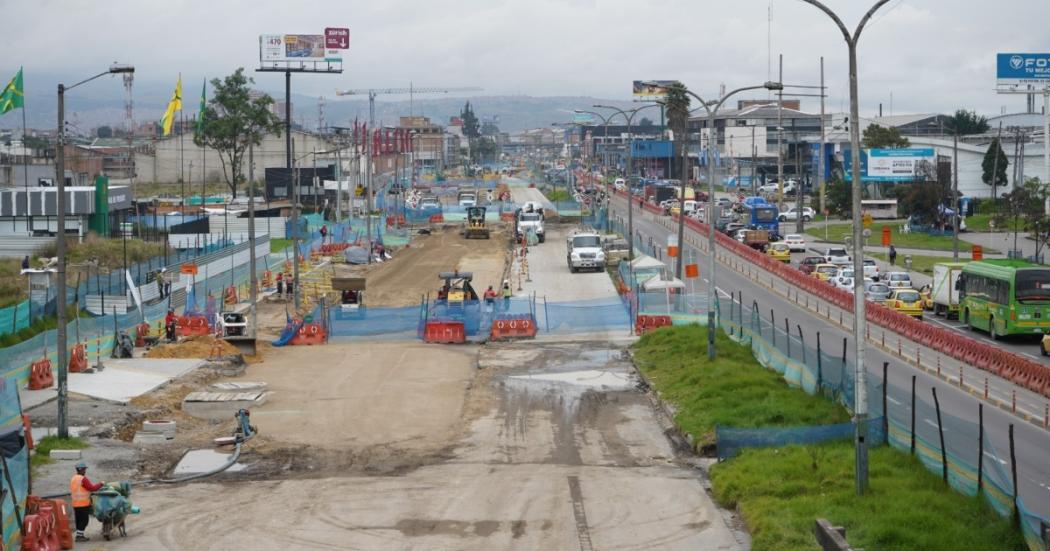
(476, 224)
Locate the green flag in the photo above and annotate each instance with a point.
(200, 111)
(12, 97)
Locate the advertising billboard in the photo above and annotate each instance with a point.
(296, 47)
(651, 90)
(1012, 69)
(337, 38)
(582, 118)
(889, 165)
(651, 149)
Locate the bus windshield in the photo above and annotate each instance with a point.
(1032, 284)
(764, 214)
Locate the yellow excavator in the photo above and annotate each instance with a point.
(476, 224)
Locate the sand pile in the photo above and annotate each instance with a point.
(204, 346)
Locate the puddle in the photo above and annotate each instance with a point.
(589, 379)
(202, 461)
(583, 359)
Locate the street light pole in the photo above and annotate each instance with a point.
(60, 245)
(860, 409)
(712, 296)
(605, 157)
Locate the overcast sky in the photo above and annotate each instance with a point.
(933, 55)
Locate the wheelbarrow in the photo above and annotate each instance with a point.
(111, 505)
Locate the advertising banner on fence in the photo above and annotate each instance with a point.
(890, 165)
(296, 47)
(1014, 69)
(651, 90)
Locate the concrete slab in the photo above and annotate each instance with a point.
(245, 386)
(125, 379)
(221, 405)
(202, 461)
(36, 398)
(151, 438)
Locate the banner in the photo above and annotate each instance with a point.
(1013, 69)
(890, 165)
(651, 90)
(296, 47)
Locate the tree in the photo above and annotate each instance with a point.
(233, 121)
(104, 132)
(964, 123)
(923, 199)
(471, 127)
(839, 197)
(646, 121)
(989, 164)
(1023, 208)
(878, 137)
(677, 102)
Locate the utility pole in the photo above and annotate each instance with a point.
(820, 161)
(780, 143)
(860, 409)
(955, 193)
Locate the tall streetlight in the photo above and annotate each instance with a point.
(605, 153)
(860, 391)
(712, 108)
(630, 169)
(60, 241)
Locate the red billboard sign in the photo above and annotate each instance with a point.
(336, 38)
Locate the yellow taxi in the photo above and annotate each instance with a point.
(825, 272)
(779, 251)
(906, 301)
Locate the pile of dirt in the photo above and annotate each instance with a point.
(206, 346)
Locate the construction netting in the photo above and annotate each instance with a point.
(15, 465)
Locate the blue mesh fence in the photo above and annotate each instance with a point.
(732, 440)
(14, 318)
(606, 314)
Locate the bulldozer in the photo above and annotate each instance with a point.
(457, 288)
(476, 224)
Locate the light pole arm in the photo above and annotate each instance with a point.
(67, 88)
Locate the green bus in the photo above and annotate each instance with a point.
(1005, 297)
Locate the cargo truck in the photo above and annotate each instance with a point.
(944, 288)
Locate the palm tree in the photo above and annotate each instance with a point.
(962, 123)
(677, 102)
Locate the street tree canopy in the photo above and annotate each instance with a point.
(964, 123)
(233, 121)
(989, 164)
(879, 137)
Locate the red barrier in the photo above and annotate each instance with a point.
(194, 325)
(40, 376)
(78, 359)
(28, 429)
(440, 217)
(521, 326)
(310, 334)
(644, 323)
(65, 535)
(444, 331)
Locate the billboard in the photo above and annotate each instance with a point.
(582, 118)
(337, 38)
(651, 149)
(889, 165)
(1012, 69)
(651, 89)
(296, 47)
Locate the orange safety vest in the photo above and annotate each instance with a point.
(81, 497)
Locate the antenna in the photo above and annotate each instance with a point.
(320, 115)
(129, 126)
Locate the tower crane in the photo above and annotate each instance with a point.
(411, 91)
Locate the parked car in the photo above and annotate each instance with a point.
(837, 256)
(792, 214)
(795, 242)
(779, 251)
(810, 263)
(906, 301)
(898, 280)
(825, 272)
(877, 292)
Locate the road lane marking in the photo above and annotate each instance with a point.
(932, 424)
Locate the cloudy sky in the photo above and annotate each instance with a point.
(928, 55)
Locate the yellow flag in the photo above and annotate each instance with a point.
(168, 120)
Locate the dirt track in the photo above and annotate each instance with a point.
(413, 272)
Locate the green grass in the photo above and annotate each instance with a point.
(734, 391)
(558, 194)
(781, 491)
(48, 443)
(980, 222)
(279, 244)
(835, 233)
(923, 263)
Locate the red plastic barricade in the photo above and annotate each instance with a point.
(310, 334)
(40, 376)
(645, 323)
(437, 218)
(522, 326)
(78, 359)
(444, 331)
(191, 326)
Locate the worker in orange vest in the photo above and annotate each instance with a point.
(80, 489)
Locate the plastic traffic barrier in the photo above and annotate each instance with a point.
(513, 326)
(78, 359)
(193, 325)
(445, 331)
(40, 375)
(310, 334)
(645, 323)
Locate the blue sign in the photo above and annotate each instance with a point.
(889, 165)
(829, 156)
(651, 149)
(1023, 68)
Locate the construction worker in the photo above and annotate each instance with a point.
(289, 285)
(169, 325)
(80, 489)
(507, 293)
(280, 284)
(490, 295)
(324, 233)
(160, 282)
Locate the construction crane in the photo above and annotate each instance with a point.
(411, 91)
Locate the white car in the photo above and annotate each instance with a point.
(837, 256)
(740, 234)
(795, 242)
(792, 214)
(871, 269)
(898, 280)
(774, 187)
(844, 279)
(619, 184)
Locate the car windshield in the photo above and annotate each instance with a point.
(530, 217)
(780, 247)
(827, 269)
(846, 273)
(793, 237)
(908, 296)
(586, 241)
(900, 277)
(836, 252)
(869, 262)
(1032, 284)
(812, 260)
(878, 288)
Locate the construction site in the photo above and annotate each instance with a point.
(462, 389)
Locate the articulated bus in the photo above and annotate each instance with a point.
(1005, 297)
(764, 217)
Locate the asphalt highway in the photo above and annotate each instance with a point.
(1032, 441)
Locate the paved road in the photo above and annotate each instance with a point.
(1032, 443)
